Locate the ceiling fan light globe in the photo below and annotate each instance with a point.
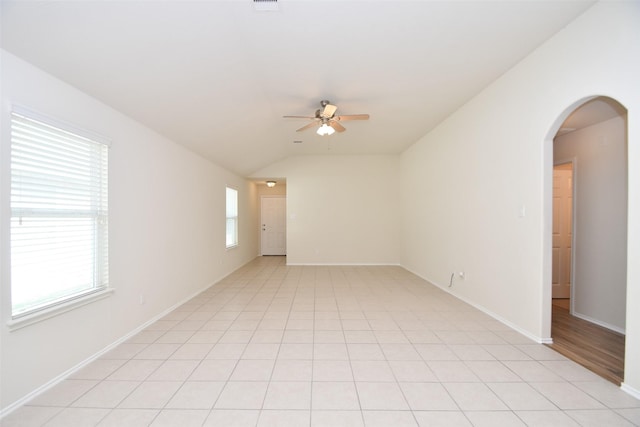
(325, 130)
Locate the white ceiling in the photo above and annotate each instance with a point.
(217, 76)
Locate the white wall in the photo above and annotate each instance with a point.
(465, 184)
(167, 232)
(599, 284)
(279, 190)
(341, 209)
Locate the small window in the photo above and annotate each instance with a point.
(232, 217)
(59, 215)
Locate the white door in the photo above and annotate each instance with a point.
(562, 230)
(273, 225)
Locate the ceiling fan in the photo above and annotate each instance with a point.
(326, 118)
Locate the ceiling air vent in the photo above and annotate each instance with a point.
(265, 5)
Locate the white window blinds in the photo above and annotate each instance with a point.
(59, 215)
(232, 217)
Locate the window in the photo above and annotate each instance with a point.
(232, 217)
(59, 221)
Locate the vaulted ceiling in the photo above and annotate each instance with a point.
(217, 76)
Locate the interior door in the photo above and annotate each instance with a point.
(273, 213)
(562, 230)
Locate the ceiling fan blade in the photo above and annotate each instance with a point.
(352, 117)
(310, 125)
(299, 117)
(337, 126)
(329, 111)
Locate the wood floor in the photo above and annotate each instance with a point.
(594, 347)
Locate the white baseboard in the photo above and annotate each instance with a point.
(55, 381)
(599, 323)
(500, 319)
(345, 264)
(630, 390)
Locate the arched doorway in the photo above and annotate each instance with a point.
(588, 236)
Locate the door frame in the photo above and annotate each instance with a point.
(574, 165)
(274, 196)
(547, 202)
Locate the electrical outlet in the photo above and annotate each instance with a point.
(461, 274)
(142, 300)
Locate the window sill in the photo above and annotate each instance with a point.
(58, 309)
(232, 247)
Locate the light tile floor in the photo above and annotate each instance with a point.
(273, 345)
